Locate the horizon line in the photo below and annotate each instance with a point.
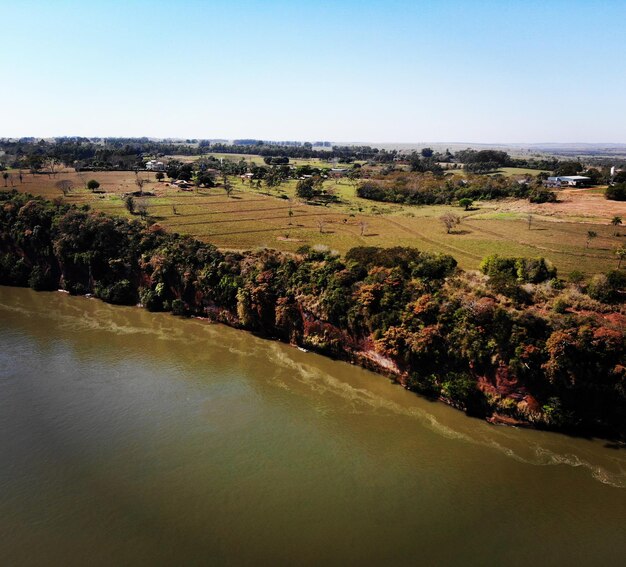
(335, 142)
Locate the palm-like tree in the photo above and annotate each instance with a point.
(616, 221)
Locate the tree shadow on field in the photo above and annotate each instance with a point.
(371, 234)
(461, 231)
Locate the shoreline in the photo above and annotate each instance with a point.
(495, 419)
(514, 354)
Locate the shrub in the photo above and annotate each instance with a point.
(556, 283)
(119, 293)
(527, 270)
(425, 385)
(553, 412)
(560, 305)
(41, 279)
(534, 270)
(178, 308)
(495, 265)
(419, 264)
(609, 288)
(12, 272)
(542, 196)
(459, 387)
(150, 300)
(19, 273)
(507, 285)
(576, 277)
(616, 192)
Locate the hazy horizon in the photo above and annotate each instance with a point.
(392, 73)
(373, 143)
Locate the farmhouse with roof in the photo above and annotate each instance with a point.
(154, 165)
(568, 181)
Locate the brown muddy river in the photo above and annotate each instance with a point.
(131, 438)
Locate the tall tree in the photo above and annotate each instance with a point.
(591, 234)
(65, 186)
(616, 221)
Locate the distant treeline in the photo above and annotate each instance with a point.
(344, 154)
(132, 153)
(491, 345)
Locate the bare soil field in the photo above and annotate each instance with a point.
(585, 205)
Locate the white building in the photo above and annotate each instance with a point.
(154, 165)
(568, 181)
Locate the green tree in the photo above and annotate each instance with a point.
(568, 168)
(304, 189)
(205, 179)
(354, 174)
(160, 176)
(92, 185)
(228, 186)
(465, 203)
(273, 178)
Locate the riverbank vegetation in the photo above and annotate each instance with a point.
(512, 343)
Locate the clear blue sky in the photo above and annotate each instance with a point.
(379, 71)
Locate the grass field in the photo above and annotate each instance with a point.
(253, 218)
